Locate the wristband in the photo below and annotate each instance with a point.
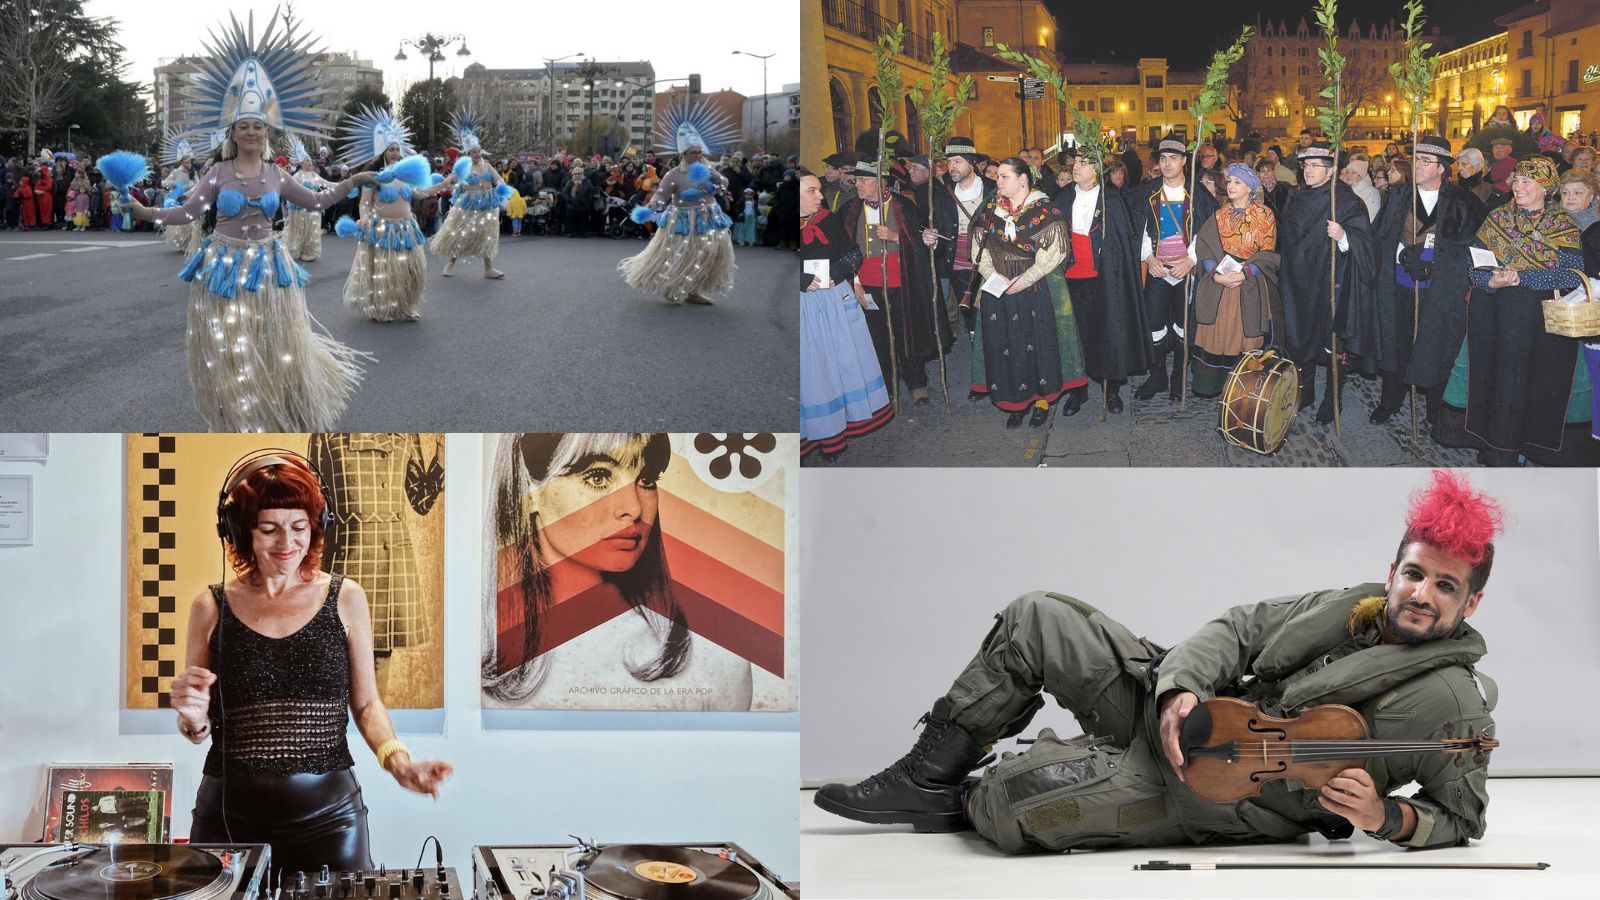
(1393, 820)
(389, 748)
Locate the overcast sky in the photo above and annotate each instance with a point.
(677, 38)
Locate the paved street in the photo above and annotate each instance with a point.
(91, 339)
(1147, 433)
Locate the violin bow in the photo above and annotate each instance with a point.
(1162, 865)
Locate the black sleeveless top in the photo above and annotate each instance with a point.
(279, 706)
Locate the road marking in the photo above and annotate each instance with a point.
(31, 256)
(83, 249)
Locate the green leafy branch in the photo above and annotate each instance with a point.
(938, 107)
(1214, 93)
(890, 82)
(1336, 111)
(1088, 130)
(1413, 75)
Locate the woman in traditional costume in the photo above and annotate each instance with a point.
(1031, 350)
(691, 254)
(390, 270)
(842, 390)
(1520, 379)
(1236, 302)
(472, 227)
(257, 360)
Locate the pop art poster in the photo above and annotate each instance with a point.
(386, 491)
(639, 571)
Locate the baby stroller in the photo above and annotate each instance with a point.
(541, 212)
(617, 223)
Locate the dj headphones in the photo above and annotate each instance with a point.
(228, 526)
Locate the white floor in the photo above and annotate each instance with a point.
(1552, 820)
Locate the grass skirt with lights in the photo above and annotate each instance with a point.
(390, 270)
(257, 360)
(690, 254)
(472, 227)
(183, 238)
(302, 233)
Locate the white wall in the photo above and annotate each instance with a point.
(905, 569)
(608, 776)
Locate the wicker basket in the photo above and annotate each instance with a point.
(1577, 320)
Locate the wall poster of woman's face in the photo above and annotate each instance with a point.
(641, 571)
(386, 533)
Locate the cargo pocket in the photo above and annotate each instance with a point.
(1063, 795)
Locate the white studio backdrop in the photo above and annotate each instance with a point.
(609, 776)
(905, 569)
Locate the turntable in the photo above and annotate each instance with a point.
(588, 871)
(133, 871)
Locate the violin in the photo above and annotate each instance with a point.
(1231, 748)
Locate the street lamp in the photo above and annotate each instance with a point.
(764, 143)
(590, 71)
(69, 136)
(550, 72)
(430, 44)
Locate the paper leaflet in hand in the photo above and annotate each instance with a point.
(818, 268)
(996, 284)
(1484, 259)
(1229, 265)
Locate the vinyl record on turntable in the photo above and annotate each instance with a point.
(647, 872)
(130, 872)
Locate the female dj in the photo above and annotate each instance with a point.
(279, 659)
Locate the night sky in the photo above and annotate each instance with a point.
(1191, 30)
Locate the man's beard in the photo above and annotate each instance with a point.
(1416, 634)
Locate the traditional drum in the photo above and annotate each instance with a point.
(1258, 401)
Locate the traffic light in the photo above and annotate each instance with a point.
(694, 83)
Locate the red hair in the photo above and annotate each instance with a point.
(289, 486)
(1453, 518)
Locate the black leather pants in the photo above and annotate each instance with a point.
(311, 821)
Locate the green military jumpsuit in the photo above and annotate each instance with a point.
(1113, 787)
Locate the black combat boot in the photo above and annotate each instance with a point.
(1157, 382)
(922, 789)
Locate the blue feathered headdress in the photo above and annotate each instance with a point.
(464, 124)
(690, 121)
(271, 79)
(369, 132)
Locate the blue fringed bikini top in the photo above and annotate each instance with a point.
(231, 202)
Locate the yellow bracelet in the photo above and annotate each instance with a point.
(389, 748)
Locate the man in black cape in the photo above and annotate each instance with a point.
(1166, 247)
(891, 223)
(958, 196)
(1432, 253)
(1305, 237)
(838, 181)
(1103, 280)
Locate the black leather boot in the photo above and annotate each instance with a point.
(1157, 382)
(1175, 384)
(922, 789)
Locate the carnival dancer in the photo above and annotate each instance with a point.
(302, 228)
(1031, 350)
(1236, 304)
(1303, 241)
(472, 227)
(1103, 280)
(895, 276)
(177, 151)
(257, 360)
(842, 391)
(1431, 240)
(958, 195)
(691, 253)
(390, 269)
(1166, 246)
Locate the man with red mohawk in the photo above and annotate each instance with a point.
(1399, 652)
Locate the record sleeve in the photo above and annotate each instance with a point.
(143, 778)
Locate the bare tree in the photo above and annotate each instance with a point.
(34, 55)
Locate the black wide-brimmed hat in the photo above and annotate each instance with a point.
(1436, 146)
(1317, 150)
(963, 147)
(842, 160)
(1170, 144)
